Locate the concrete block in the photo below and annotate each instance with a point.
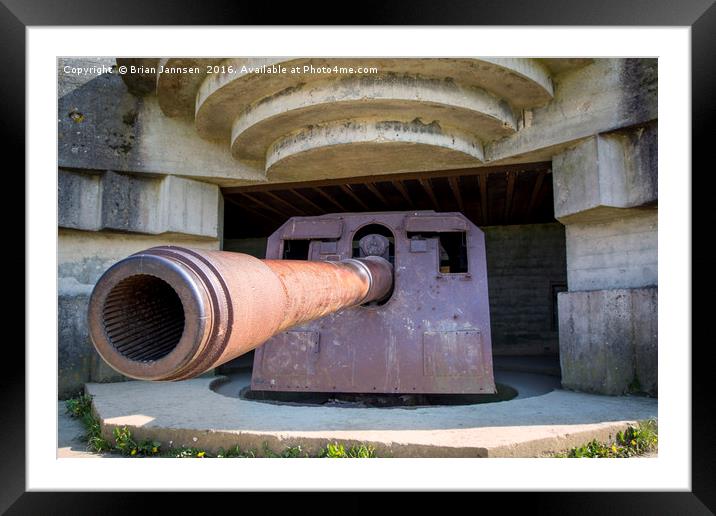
(190, 207)
(79, 200)
(608, 341)
(78, 361)
(102, 126)
(646, 347)
(75, 350)
(598, 98)
(600, 176)
(129, 203)
(73, 72)
(138, 204)
(616, 253)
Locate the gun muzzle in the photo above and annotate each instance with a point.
(172, 313)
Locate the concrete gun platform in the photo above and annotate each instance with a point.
(538, 422)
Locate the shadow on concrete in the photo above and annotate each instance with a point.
(192, 404)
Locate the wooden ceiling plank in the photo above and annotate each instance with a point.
(404, 192)
(509, 195)
(374, 190)
(516, 167)
(291, 207)
(483, 198)
(455, 187)
(352, 195)
(535, 193)
(264, 205)
(307, 201)
(330, 199)
(250, 210)
(425, 183)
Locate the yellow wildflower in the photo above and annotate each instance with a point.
(134, 451)
(154, 450)
(633, 442)
(201, 454)
(614, 448)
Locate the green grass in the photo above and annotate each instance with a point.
(338, 451)
(124, 443)
(632, 442)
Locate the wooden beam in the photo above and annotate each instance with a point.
(455, 187)
(510, 192)
(307, 200)
(535, 193)
(349, 192)
(250, 210)
(330, 199)
(403, 191)
(291, 207)
(264, 205)
(374, 190)
(425, 183)
(483, 198)
(516, 167)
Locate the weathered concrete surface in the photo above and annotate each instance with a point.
(617, 253)
(83, 256)
(136, 203)
(607, 95)
(178, 79)
(608, 340)
(526, 266)
(602, 175)
(140, 76)
(129, 133)
(75, 351)
(395, 98)
(342, 149)
(223, 96)
(102, 126)
(190, 414)
(73, 72)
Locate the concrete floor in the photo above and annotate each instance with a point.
(541, 420)
(70, 436)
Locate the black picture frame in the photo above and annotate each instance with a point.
(700, 15)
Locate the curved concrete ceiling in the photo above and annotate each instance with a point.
(412, 114)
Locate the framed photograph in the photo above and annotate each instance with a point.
(422, 245)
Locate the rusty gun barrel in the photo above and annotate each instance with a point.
(172, 313)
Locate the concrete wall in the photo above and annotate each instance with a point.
(113, 202)
(617, 253)
(253, 246)
(605, 192)
(526, 265)
(609, 341)
(94, 200)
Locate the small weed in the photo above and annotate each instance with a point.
(629, 443)
(79, 406)
(125, 444)
(185, 452)
(290, 452)
(338, 451)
